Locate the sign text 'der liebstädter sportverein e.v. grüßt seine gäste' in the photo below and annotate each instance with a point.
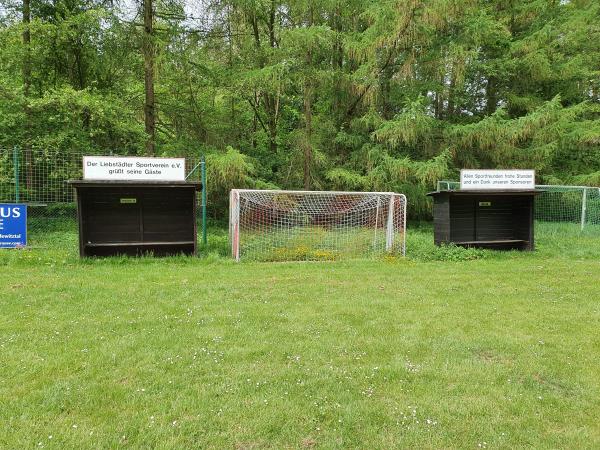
(497, 179)
(133, 168)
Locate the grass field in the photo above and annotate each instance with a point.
(447, 348)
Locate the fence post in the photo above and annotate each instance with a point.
(16, 170)
(203, 180)
(583, 208)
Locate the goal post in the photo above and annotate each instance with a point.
(278, 225)
(234, 223)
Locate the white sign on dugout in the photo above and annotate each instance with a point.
(497, 179)
(133, 168)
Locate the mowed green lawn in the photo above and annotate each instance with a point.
(497, 352)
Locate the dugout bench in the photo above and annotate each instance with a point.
(494, 219)
(136, 217)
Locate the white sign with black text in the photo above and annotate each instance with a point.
(497, 179)
(133, 168)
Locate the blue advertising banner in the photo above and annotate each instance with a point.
(13, 225)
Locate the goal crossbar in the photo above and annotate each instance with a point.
(276, 191)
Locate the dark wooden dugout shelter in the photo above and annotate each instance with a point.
(496, 219)
(136, 217)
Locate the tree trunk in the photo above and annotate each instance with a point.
(384, 81)
(436, 105)
(26, 93)
(439, 99)
(272, 138)
(308, 131)
(338, 62)
(79, 76)
(308, 93)
(270, 101)
(234, 129)
(452, 95)
(491, 96)
(148, 51)
(254, 129)
(272, 40)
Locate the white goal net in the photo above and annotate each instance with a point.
(271, 225)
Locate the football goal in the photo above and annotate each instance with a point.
(272, 225)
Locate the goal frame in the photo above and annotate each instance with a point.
(234, 214)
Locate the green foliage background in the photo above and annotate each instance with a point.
(327, 94)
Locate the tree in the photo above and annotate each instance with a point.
(27, 91)
(148, 52)
(314, 94)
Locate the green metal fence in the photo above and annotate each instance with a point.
(39, 179)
